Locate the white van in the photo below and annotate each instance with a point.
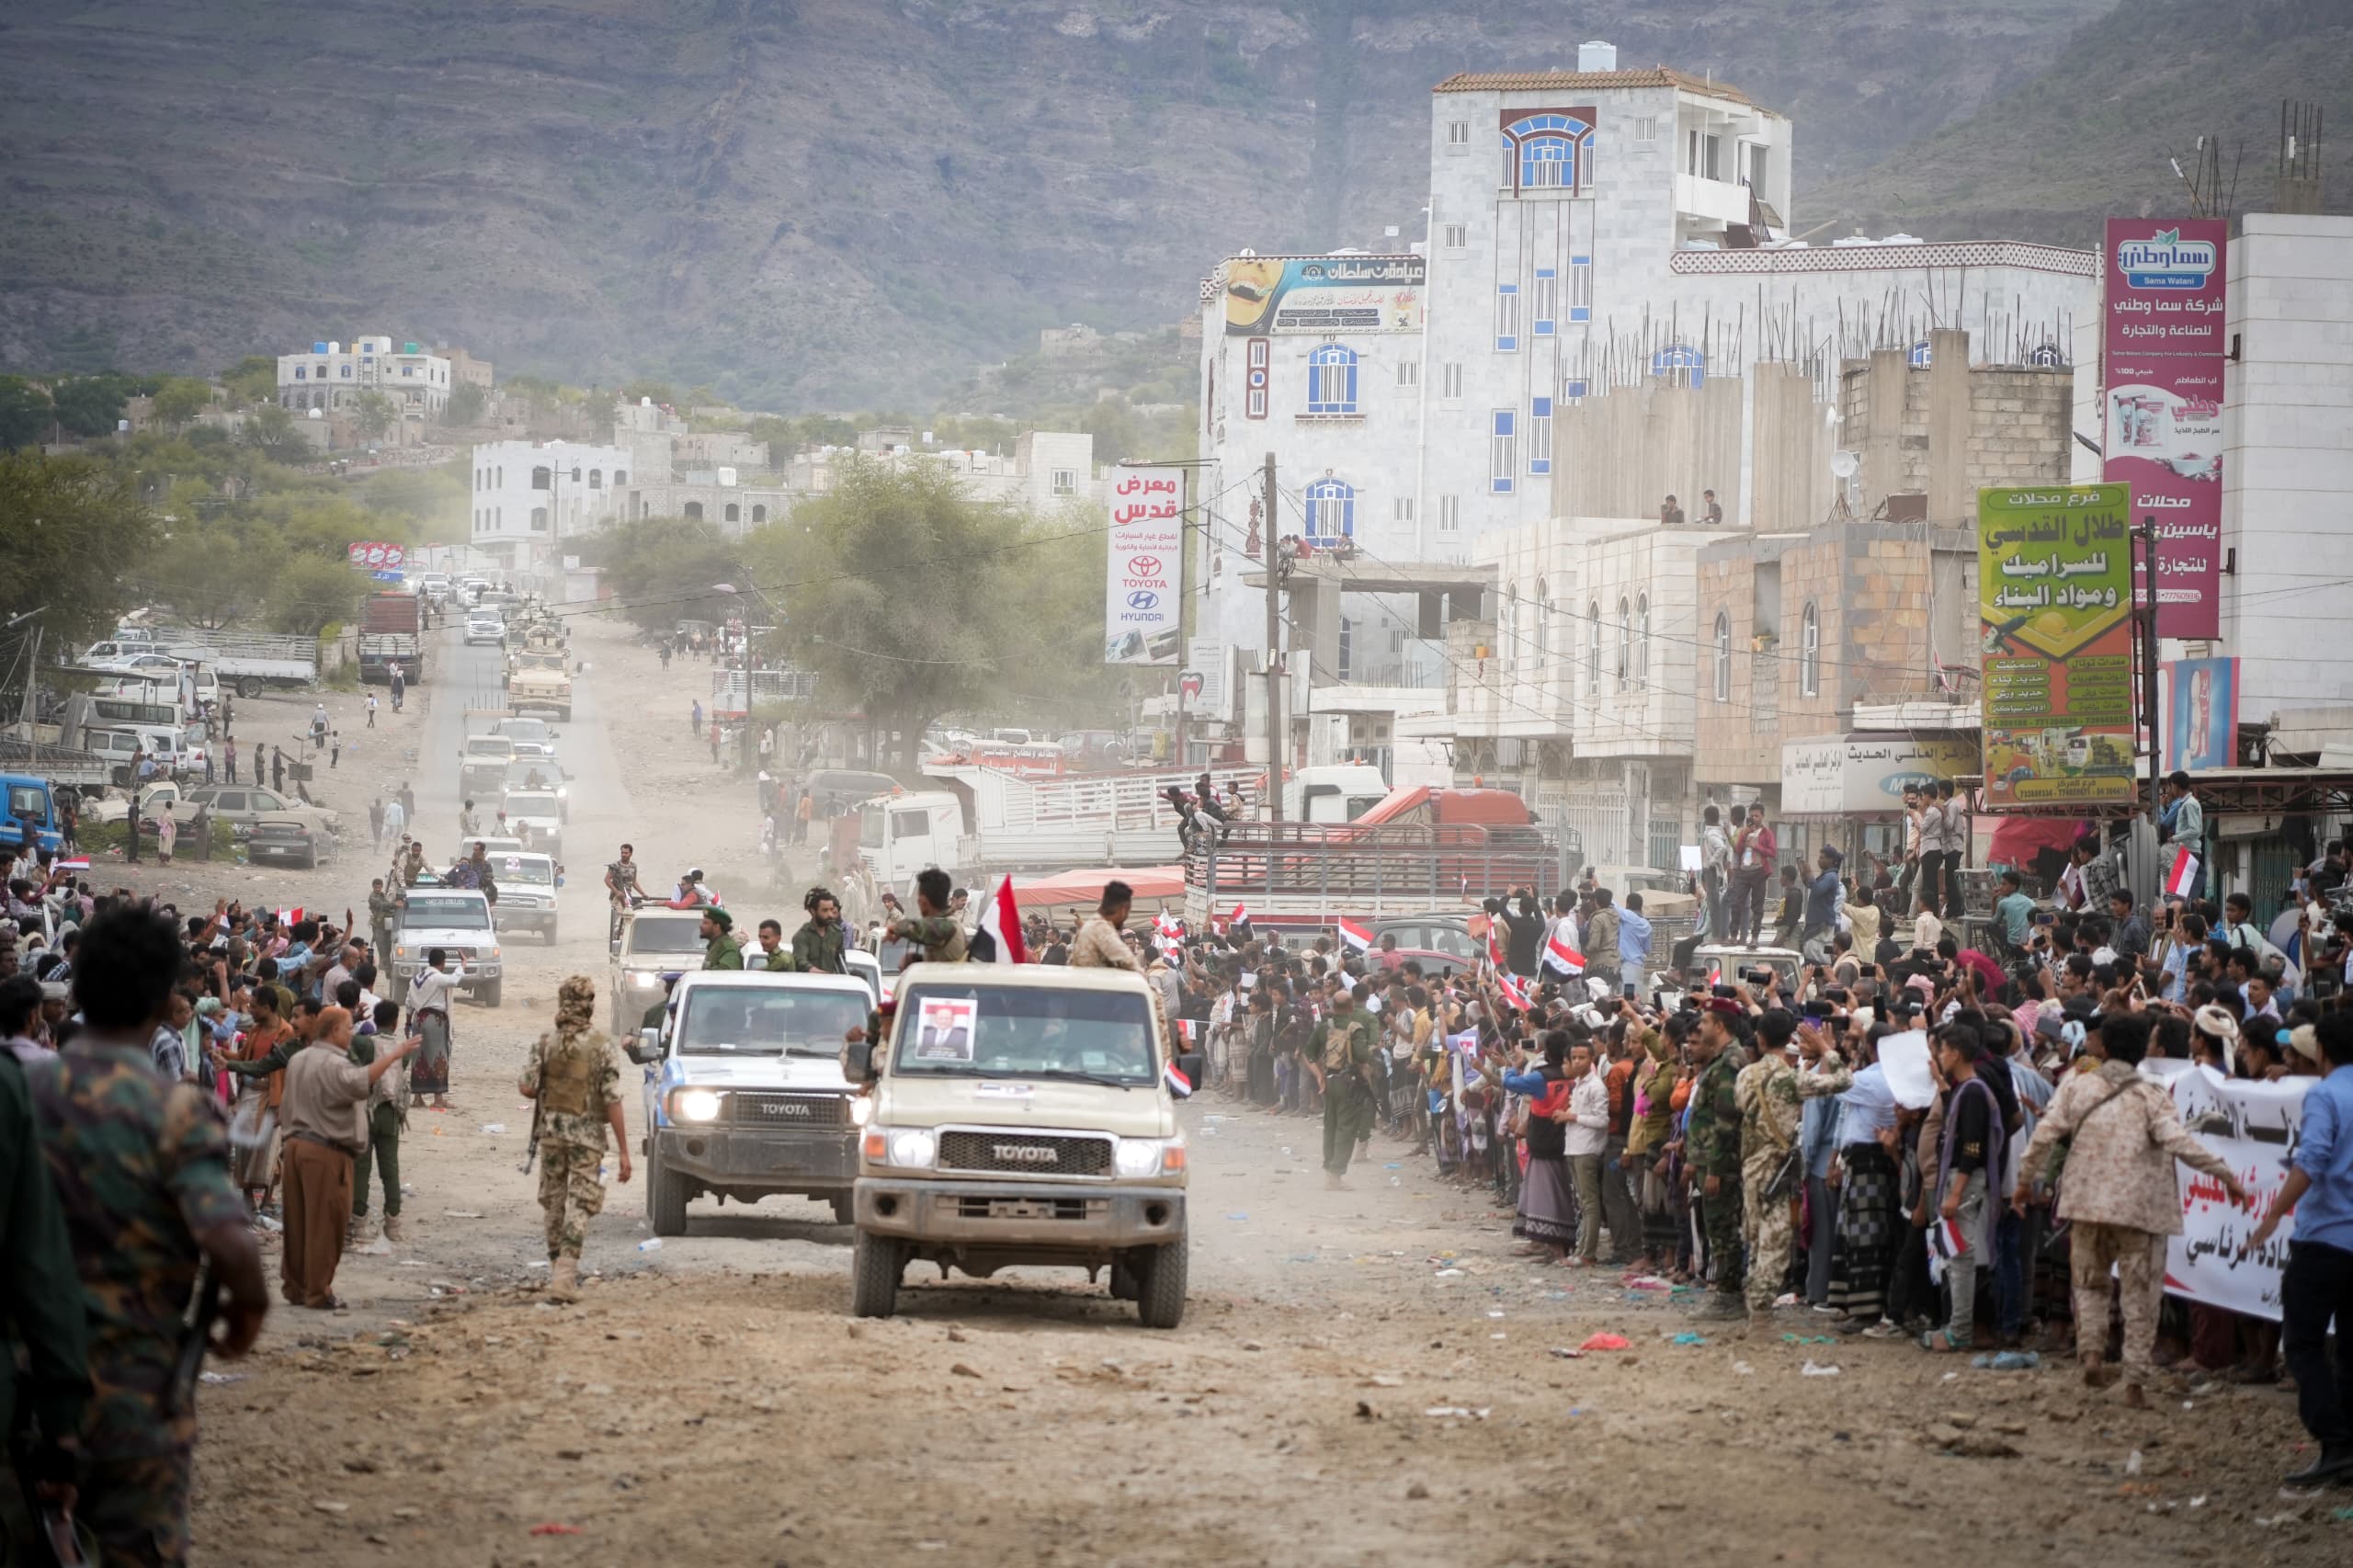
(119, 743)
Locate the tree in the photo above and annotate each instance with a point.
(664, 568)
(465, 406)
(70, 527)
(90, 405)
(24, 413)
(313, 593)
(253, 380)
(273, 432)
(181, 399)
(202, 572)
(901, 594)
(373, 413)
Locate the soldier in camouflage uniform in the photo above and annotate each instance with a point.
(936, 931)
(141, 1166)
(381, 909)
(1711, 1146)
(1342, 1053)
(573, 1076)
(1770, 1092)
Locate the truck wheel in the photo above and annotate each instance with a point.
(249, 687)
(665, 1199)
(491, 993)
(875, 1265)
(844, 1208)
(551, 932)
(1161, 1302)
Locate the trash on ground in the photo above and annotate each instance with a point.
(1608, 1341)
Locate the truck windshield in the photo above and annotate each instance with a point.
(796, 1021)
(525, 871)
(28, 800)
(682, 934)
(447, 913)
(869, 827)
(1000, 1032)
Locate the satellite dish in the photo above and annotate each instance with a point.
(1845, 464)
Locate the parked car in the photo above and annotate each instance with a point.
(242, 805)
(282, 840)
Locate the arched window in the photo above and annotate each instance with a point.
(1642, 641)
(1724, 656)
(538, 519)
(1593, 650)
(1625, 646)
(595, 479)
(502, 476)
(694, 510)
(543, 478)
(733, 514)
(1332, 379)
(759, 513)
(620, 476)
(1543, 628)
(1679, 365)
(576, 473)
(1810, 651)
(1331, 511)
(1546, 151)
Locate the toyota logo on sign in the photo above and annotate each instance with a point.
(1143, 599)
(1143, 566)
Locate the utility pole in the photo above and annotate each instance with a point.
(1278, 752)
(2145, 627)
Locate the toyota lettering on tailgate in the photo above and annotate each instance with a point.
(1025, 1153)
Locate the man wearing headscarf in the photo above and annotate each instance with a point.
(573, 1076)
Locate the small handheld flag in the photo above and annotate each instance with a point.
(1513, 991)
(1001, 920)
(1178, 1084)
(2184, 875)
(1560, 955)
(1357, 936)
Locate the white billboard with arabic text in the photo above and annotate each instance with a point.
(1142, 614)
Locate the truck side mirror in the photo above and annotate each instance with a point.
(648, 1049)
(857, 1061)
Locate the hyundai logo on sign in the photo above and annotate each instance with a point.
(1143, 566)
(2166, 260)
(1143, 599)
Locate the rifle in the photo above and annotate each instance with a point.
(203, 1308)
(539, 1111)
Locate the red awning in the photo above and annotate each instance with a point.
(1162, 883)
(2020, 839)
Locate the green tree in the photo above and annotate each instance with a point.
(273, 432)
(90, 405)
(900, 592)
(373, 414)
(69, 529)
(181, 399)
(24, 413)
(465, 406)
(253, 380)
(312, 593)
(203, 573)
(664, 569)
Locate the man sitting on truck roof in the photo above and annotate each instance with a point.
(1100, 943)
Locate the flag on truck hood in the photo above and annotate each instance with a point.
(1357, 936)
(1000, 922)
(1178, 1084)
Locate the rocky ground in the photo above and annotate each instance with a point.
(1364, 1377)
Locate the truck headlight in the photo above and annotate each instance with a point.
(695, 1104)
(1148, 1156)
(912, 1148)
(862, 1110)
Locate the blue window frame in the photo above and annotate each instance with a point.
(1545, 307)
(1502, 451)
(1919, 355)
(302, 372)
(1331, 511)
(1332, 379)
(1539, 436)
(1507, 318)
(1572, 390)
(1547, 151)
(1580, 287)
(1680, 364)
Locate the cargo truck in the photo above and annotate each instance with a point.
(392, 631)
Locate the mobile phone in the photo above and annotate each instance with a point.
(1726, 992)
(2046, 917)
(1760, 975)
(1818, 1010)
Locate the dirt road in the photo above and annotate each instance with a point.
(1364, 1377)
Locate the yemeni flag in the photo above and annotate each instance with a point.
(1171, 929)
(290, 917)
(2184, 875)
(1178, 1084)
(1513, 991)
(1240, 917)
(74, 863)
(1359, 938)
(1495, 953)
(1001, 922)
(1560, 955)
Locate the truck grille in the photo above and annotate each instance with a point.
(1026, 1154)
(787, 1112)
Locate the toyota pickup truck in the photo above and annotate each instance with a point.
(1019, 1115)
(744, 1097)
(650, 946)
(451, 920)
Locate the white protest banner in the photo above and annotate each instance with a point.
(2253, 1127)
(1904, 1062)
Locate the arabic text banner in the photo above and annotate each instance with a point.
(2054, 574)
(2253, 1127)
(2163, 373)
(1320, 296)
(1142, 598)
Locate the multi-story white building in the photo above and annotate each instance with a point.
(331, 377)
(1588, 229)
(527, 495)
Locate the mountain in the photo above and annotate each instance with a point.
(2097, 132)
(835, 203)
